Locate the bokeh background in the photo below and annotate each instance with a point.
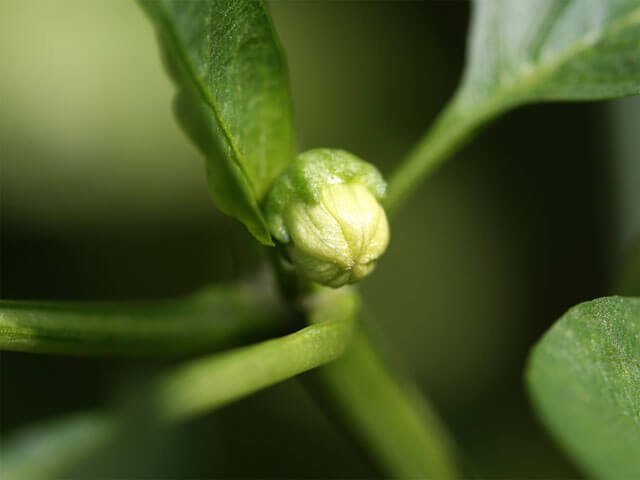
(102, 197)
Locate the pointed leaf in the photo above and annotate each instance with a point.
(233, 96)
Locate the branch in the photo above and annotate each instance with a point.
(213, 319)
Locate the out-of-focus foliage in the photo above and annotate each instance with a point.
(628, 279)
(623, 117)
(76, 127)
(49, 449)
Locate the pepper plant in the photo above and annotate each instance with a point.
(321, 219)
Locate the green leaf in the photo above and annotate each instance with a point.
(523, 51)
(584, 379)
(212, 319)
(233, 96)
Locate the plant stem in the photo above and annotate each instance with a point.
(211, 382)
(388, 416)
(50, 450)
(452, 129)
(209, 320)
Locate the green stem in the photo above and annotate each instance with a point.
(388, 416)
(50, 450)
(452, 129)
(211, 382)
(209, 320)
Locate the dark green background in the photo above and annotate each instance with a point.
(103, 198)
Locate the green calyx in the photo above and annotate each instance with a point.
(325, 209)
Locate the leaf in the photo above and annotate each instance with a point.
(524, 51)
(584, 379)
(233, 97)
(209, 320)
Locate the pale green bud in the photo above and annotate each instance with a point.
(325, 209)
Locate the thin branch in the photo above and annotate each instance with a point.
(213, 319)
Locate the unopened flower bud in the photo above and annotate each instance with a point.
(325, 209)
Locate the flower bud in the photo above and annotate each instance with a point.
(325, 210)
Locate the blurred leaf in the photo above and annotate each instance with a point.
(215, 318)
(49, 449)
(584, 379)
(233, 96)
(521, 52)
